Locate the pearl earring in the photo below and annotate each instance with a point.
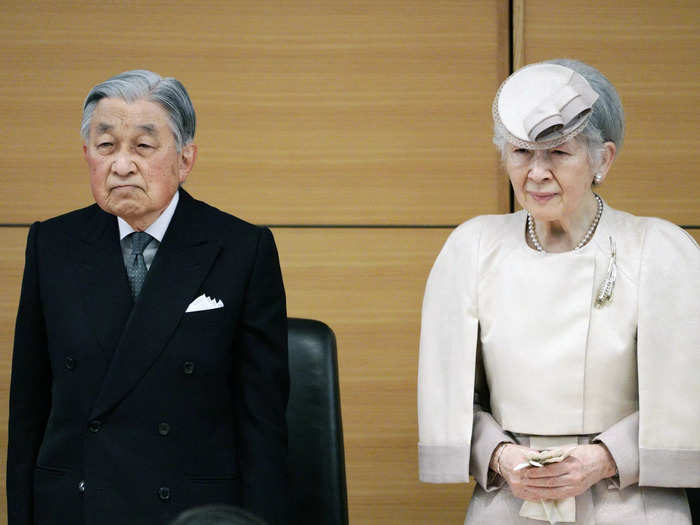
(597, 178)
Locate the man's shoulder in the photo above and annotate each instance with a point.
(79, 214)
(217, 221)
(72, 221)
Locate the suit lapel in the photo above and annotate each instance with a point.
(102, 280)
(174, 280)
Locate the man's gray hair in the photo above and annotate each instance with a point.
(607, 122)
(141, 84)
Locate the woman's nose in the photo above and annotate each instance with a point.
(541, 166)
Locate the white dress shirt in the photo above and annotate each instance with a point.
(156, 230)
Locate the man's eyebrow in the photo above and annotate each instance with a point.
(150, 129)
(104, 128)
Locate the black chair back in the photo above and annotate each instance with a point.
(318, 493)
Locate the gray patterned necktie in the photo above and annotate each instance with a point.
(136, 269)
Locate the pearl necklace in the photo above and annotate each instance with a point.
(532, 234)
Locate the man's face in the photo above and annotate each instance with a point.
(135, 168)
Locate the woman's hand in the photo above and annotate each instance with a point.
(510, 457)
(586, 465)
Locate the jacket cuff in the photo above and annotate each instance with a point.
(622, 441)
(443, 463)
(669, 468)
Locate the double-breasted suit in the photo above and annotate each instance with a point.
(124, 412)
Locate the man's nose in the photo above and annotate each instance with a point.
(123, 164)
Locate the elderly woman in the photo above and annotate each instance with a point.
(559, 351)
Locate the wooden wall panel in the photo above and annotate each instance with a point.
(368, 286)
(649, 50)
(366, 112)
(13, 241)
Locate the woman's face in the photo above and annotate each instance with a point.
(551, 184)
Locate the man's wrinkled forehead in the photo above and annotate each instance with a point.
(104, 127)
(112, 114)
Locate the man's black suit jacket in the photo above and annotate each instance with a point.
(124, 413)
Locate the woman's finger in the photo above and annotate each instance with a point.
(551, 481)
(550, 470)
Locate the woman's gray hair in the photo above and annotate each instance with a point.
(607, 122)
(141, 84)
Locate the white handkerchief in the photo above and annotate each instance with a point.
(204, 302)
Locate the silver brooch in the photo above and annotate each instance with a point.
(606, 287)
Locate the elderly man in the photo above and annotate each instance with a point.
(149, 372)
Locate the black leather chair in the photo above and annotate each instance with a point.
(694, 502)
(318, 493)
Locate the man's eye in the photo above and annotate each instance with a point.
(145, 146)
(104, 145)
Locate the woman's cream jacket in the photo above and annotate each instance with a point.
(555, 363)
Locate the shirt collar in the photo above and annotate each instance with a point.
(159, 226)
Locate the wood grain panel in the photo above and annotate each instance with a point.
(648, 49)
(368, 286)
(13, 241)
(366, 112)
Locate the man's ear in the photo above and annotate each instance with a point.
(186, 161)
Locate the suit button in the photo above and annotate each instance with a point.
(95, 426)
(81, 486)
(164, 493)
(188, 367)
(69, 362)
(163, 429)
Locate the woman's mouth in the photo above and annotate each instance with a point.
(542, 197)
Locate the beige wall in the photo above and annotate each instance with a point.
(369, 121)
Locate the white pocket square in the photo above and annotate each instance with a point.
(204, 302)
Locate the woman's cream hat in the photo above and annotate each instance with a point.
(543, 105)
